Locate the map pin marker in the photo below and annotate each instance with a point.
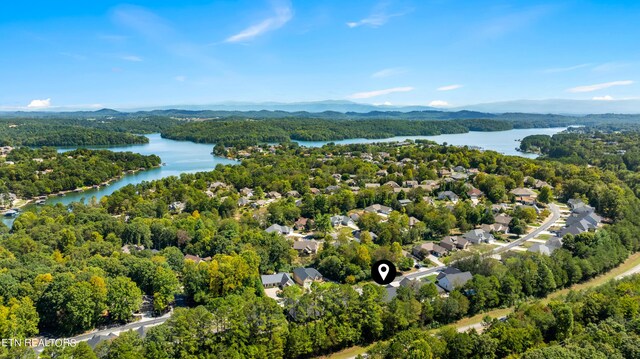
(383, 269)
(383, 272)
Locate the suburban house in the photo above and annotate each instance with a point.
(444, 172)
(458, 176)
(477, 236)
(293, 193)
(405, 202)
(542, 248)
(342, 221)
(332, 189)
(379, 209)
(495, 227)
(524, 195)
(448, 196)
(274, 195)
(502, 219)
(451, 278)
(305, 276)
(392, 184)
(413, 221)
(301, 223)
(423, 250)
(448, 244)
(371, 185)
(306, 247)
(177, 206)
(451, 243)
(243, 202)
(276, 228)
(278, 280)
(410, 184)
(474, 194)
(357, 235)
(583, 218)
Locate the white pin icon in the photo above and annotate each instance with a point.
(383, 269)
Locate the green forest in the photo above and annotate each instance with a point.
(238, 132)
(30, 172)
(64, 270)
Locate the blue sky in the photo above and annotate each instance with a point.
(90, 54)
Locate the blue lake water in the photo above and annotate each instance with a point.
(189, 157)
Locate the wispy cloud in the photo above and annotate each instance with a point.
(283, 13)
(516, 20)
(603, 98)
(370, 94)
(564, 69)
(39, 103)
(439, 103)
(180, 78)
(449, 87)
(392, 71)
(601, 86)
(378, 17)
(132, 58)
(610, 66)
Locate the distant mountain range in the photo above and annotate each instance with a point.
(555, 106)
(568, 107)
(313, 106)
(348, 109)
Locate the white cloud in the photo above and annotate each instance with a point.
(392, 71)
(370, 94)
(603, 98)
(132, 58)
(439, 103)
(564, 69)
(449, 87)
(596, 87)
(40, 103)
(379, 16)
(610, 66)
(386, 103)
(181, 78)
(282, 15)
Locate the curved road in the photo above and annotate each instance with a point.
(555, 215)
(550, 221)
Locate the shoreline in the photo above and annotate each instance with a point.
(25, 202)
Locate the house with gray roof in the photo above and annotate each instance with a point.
(451, 281)
(279, 280)
(342, 221)
(477, 236)
(379, 209)
(448, 196)
(582, 219)
(305, 276)
(306, 247)
(276, 228)
(358, 234)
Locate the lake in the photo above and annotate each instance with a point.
(504, 142)
(189, 157)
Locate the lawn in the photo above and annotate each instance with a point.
(632, 262)
(347, 353)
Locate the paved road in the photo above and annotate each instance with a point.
(122, 328)
(555, 215)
